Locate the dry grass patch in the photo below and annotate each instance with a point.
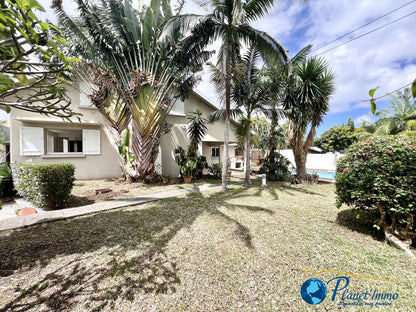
(241, 251)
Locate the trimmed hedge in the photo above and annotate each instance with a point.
(381, 174)
(46, 185)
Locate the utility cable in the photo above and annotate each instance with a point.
(367, 33)
(369, 23)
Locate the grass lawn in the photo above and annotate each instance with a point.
(241, 251)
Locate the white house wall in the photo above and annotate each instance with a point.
(104, 165)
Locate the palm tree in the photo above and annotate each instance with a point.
(229, 22)
(197, 129)
(280, 76)
(402, 110)
(306, 102)
(251, 92)
(137, 71)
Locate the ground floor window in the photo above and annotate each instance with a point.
(40, 141)
(64, 141)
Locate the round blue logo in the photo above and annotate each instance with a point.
(313, 291)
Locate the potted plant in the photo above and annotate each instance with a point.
(187, 170)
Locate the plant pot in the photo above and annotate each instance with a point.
(229, 174)
(187, 179)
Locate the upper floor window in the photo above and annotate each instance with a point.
(215, 151)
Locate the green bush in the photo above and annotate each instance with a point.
(381, 174)
(278, 170)
(47, 186)
(190, 164)
(6, 183)
(216, 170)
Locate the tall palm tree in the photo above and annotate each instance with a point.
(229, 21)
(402, 109)
(280, 76)
(136, 71)
(251, 92)
(306, 102)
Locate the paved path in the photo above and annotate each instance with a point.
(13, 222)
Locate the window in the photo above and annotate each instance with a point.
(33, 141)
(215, 151)
(85, 89)
(64, 141)
(178, 108)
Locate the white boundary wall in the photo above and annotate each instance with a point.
(322, 162)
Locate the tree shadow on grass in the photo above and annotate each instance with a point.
(98, 259)
(363, 224)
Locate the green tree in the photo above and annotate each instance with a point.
(281, 75)
(250, 94)
(197, 129)
(337, 139)
(402, 109)
(229, 22)
(135, 70)
(306, 102)
(33, 68)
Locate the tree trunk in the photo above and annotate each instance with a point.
(300, 160)
(273, 144)
(247, 165)
(300, 154)
(228, 67)
(145, 151)
(226, 157)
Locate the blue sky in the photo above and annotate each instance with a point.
(385, 58)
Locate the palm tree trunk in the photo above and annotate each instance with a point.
(300, 152)
(145, 150)
(273, 144)
(247, 164)
(228, 67)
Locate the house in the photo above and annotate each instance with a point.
(88, 145)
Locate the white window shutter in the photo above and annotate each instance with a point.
(91, 142)
(31, 141)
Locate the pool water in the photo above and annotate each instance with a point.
(322, 174)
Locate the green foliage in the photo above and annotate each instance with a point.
(33, 67)
(190, 164)
(6, 184)
(380, 174)
(197, 128)
(46, 185)
(124, 149)
(277, 170)
(337, 139)
(216, 170)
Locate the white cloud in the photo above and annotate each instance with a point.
(365, 118)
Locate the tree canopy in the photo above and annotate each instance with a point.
(33, 66)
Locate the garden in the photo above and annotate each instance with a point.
(244, 250)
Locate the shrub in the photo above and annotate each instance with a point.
(190, 164)
(216, 170)
(6, 184)
(47, 186)
(278, 170)
(381, 174)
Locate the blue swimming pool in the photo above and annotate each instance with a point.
(322, 174)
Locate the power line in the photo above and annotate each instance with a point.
(367, 33)
(390, 93)
(369, 23)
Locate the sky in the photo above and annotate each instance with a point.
(384, 56)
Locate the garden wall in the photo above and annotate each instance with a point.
(322, 162)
